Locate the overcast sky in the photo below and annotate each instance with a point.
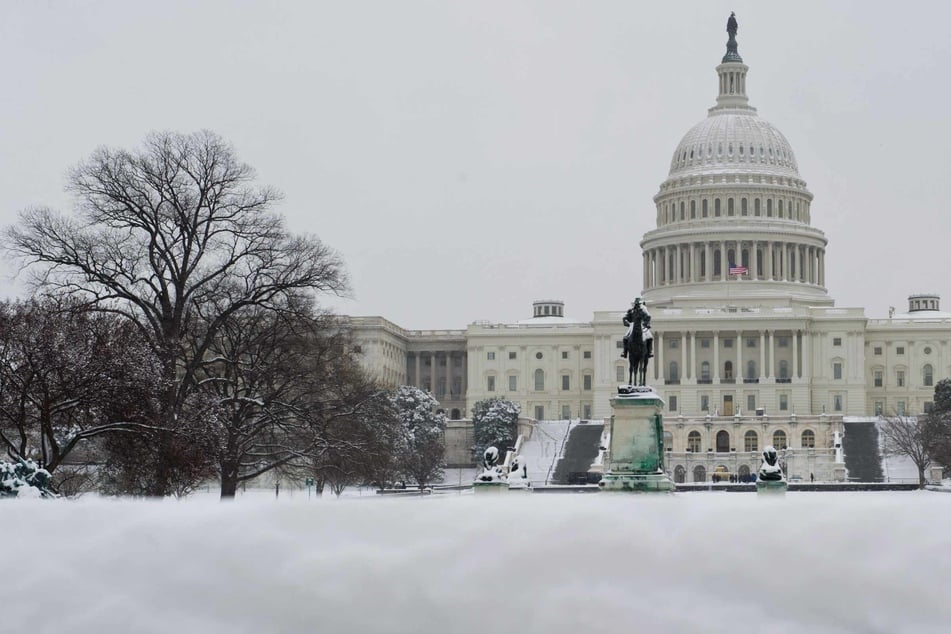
(466, 158)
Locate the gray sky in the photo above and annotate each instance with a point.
(466, 158)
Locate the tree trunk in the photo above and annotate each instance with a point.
(229, 481)
(921, 476)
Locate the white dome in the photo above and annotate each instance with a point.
(734, 142)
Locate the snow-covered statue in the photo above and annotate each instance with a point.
(518, 474)
(491, 470)
(770, 470)
(638, 342)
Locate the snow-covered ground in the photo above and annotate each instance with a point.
(460, 563)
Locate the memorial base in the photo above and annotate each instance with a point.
(498, 486)
(637, 482)
(771, 487)
(635, 458)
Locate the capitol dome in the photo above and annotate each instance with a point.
(733, 215)
(728, 142)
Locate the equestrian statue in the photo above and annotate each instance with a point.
(638, 342)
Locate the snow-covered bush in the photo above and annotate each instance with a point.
(24, 479)
(494, 423)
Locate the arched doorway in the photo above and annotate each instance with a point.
(723, 441)
(721, 474)
(699, 474)
(744, 473)
(680, 474)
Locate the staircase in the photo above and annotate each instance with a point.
(584, 442)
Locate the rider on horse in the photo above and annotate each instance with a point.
(637, 314)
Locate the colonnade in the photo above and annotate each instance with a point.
(457, 392)
(693, 262)
(766, 355)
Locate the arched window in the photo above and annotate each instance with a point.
(809, 439)
(716, 262)
(680, 474)
(693, 209)
(756, 209)
(751, 369)
(454, 414)
(780, 208)
(783, 369)
(668, 441)
(769, 207)
(927, 375)
(750, 441)
(723, 441)
(729, 207)
(705, 371)
(779, 439)
(699, 474)
(716, 207)
(727, 369)
(693, 441)
(743, 472)
(743, 207)
(673, 372)
(539, 380)
(703, 208)
(681, 210)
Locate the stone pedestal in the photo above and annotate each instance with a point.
(777, 487)
(635, 461)
(497, 486)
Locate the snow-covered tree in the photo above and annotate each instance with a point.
(24, 479)
(494, 423)
(422, 429)
(902, 436)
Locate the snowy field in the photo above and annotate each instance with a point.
(459, 563)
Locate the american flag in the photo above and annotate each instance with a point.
(738, 270)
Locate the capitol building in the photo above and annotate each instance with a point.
(750, 348)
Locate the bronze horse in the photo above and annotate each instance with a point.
(637, 349)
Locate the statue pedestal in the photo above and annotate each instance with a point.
(635, 462)
(499, 486)
(772, 487)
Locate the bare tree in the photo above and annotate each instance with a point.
(69, 375)
(902, 436)
(286, 383)
(175, 238)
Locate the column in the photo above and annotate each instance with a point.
(795, 355)
(659, 354)
(432, 372)
(707, 264)
(644, 283)
(678, 265)
(772, 355)
(683, 354)
(449, 373)
(724, 266)
(762, 356)
(693, 354)
(771, 268)
(716, 356)
(740, 372)
(807, 354)
(693, 263)
(754, 261)
(822, 268)
(416, 369)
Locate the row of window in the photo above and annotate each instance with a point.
(673, 371)
(927, 377)
(672, 403)
(566, 412)
(673, 211)
(490, 356)
(539, 377)
(782, 341)
(750, 441)
(899, 350)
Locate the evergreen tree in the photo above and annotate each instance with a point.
(494, 423)
(422, 447)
